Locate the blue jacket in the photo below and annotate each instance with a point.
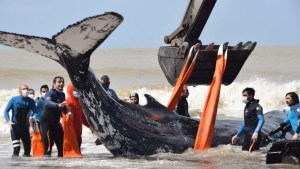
(292, 117)
(112, 93)
(20, 107)
(40, 108)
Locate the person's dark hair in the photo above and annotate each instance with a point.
(250, 91)
(104, 77)
(294, 96)
(44, 87)
(31, 90)
(56, 78)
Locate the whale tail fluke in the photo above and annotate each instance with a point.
(79, 39)
(86, 35)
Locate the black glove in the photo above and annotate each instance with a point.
(287, 128)
(298, 129)
(279, 128)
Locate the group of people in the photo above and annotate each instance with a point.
(46, 112)
(254, 120)
(105, 82)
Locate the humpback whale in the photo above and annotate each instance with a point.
(123, 128)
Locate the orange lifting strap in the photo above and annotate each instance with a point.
(183, 77)
(208, 118)
(36, 141)
(70, 147)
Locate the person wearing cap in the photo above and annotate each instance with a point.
(105, 82)
(134, 98)
(182, 107)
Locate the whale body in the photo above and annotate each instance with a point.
(124, 129)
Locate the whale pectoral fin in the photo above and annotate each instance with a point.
(41, 46)
(86, 35)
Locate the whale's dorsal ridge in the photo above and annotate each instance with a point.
(152, 103)
(86, 35)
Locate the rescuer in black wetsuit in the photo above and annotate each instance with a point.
(182, 107)
(18, 123)
(253, 121)
(51, 128)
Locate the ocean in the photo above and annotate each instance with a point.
(271, 70)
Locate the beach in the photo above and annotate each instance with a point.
(271, 70)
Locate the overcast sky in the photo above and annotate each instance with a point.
(269, 22)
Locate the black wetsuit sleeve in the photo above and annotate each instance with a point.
(48, 100)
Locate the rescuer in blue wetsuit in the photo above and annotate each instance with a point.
(291, 120)
(51, 128)
(41, 102)
(253, 121)
(22, 107)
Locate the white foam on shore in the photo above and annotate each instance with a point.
(271, 95)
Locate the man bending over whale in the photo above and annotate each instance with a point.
(291, 120)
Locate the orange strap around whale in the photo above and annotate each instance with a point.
(183, 77)
(208, 118)
(70, 147)
(36, 142)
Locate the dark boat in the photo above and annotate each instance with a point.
(172, 58)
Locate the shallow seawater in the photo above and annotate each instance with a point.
(224, 156)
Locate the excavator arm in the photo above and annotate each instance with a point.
(173, 57)
(193, 22)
